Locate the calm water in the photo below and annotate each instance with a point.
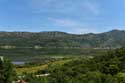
(18, 62)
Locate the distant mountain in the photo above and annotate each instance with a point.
(111, 39)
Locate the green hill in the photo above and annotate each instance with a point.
(109, 68)
(112, 39)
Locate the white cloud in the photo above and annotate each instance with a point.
(74, 26)
(65, 22)
(72, 9)
(65, 6)
(83, 31)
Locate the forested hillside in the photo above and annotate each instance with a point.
(109, 68)
(112, 39)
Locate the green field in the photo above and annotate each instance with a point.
(40, 67)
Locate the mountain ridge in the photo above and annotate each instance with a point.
(113, 30)
(111, 39)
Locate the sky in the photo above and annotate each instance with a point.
(72, 16)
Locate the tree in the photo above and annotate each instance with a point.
(93, 77)
(1, 72)
(7, 73)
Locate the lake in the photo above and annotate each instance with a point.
(18, 62)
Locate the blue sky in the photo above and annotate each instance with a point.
(73, 16)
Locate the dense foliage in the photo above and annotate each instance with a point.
(62, 40)
(7, 73)
(109, 68)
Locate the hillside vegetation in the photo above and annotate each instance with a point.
(112, 39)
(109, 68)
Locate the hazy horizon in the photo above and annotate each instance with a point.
(65, 32)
